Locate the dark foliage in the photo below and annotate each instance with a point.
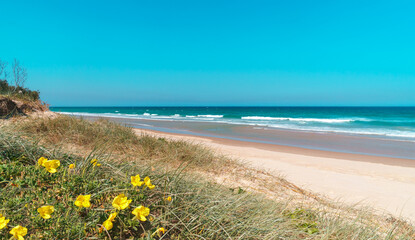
(21, 92)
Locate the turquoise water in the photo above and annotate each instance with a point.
(384, 122)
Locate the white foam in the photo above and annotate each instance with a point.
(324, 120)
(211, 116)
(258, 121)
(377, 132)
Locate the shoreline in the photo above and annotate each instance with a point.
(295, 150)
(386, 184)
(319, 144)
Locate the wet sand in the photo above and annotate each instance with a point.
(328, 142)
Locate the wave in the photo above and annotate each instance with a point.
(357, 127)
(148, 114)
(211, 116)
(352, 131)
(323, 120)
(114, 115)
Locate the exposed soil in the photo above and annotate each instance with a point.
(10, 107)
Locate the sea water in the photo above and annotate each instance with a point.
(387, 122)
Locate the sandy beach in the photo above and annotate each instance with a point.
(207, 120)
(386, 184)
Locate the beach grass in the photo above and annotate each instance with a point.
(200, 207)
(117, 139)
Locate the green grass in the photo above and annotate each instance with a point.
(201, 208)
(27, 186)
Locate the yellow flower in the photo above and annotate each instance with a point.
(108, 223)
(71, 166)
(141, 213)
(3, 221)
(83, 201)
(147, 181)
(95, 162)
(51, 165)
(18, 232)
(41, 161)
(135, 180)
(160, 231)
(121, 202)
(168, 198)
(46, 211)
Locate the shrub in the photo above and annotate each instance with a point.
(19, 92)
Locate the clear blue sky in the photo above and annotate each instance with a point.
(142, 53)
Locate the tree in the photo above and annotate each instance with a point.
(3, 66)
(19, 74)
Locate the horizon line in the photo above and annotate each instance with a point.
(201, 106)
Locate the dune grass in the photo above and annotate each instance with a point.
(200, 209)
(117, 139)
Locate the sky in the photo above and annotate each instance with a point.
(214, 53)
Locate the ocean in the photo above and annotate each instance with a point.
(386, 122)
(375, 131)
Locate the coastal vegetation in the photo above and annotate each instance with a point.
(15, 99)
(63, 177)
(18, 79)
(98, 190)
(18, 92)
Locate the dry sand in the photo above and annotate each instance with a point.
(386, 184)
